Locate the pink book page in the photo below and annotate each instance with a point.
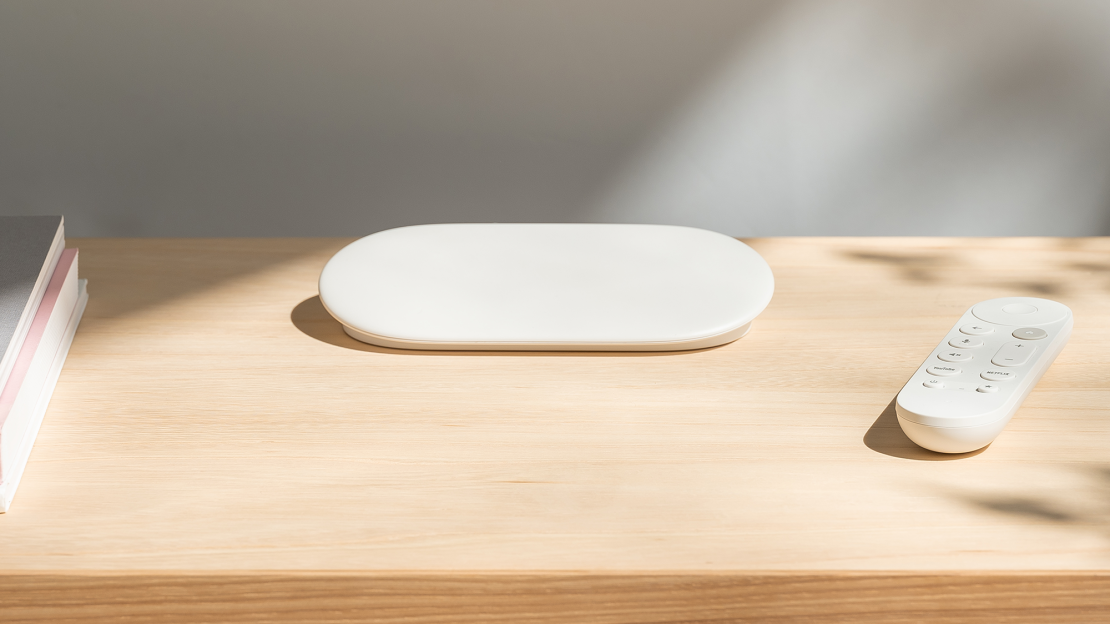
(34, 336)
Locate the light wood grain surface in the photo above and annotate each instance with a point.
(213, 420)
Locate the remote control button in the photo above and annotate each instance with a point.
(966, 343)
(1014, 354)
(1030, 333)
(1020, 311)
(996, 375)
(944, 370)
(987, 388)
(933, 383)
(955, 356)
(976, 330)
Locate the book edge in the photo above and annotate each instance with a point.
(42, 284)
(9, 487)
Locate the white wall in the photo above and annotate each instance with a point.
(269, 117)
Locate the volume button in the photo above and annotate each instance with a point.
(1013, 354)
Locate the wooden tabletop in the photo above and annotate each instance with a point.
(214, 428)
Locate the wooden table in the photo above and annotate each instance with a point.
(218, 450)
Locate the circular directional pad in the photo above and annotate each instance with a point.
(1020, 311)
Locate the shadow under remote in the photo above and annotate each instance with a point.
(886, 436)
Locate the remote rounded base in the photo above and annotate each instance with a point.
(951, 439)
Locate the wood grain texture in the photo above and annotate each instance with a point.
(213, 420)
(556, 598)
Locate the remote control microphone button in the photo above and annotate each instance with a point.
(966, 343)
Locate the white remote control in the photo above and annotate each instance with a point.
(972, 383)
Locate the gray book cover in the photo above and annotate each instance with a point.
(28, 248)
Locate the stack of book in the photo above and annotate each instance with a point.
(41, 302)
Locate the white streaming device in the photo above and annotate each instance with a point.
(976, 378)
(562, 287)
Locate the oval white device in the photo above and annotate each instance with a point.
(546, 287)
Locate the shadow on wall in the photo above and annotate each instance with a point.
(753, 118)
(909, 118)
(285, 118)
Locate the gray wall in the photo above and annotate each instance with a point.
(289, 118)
